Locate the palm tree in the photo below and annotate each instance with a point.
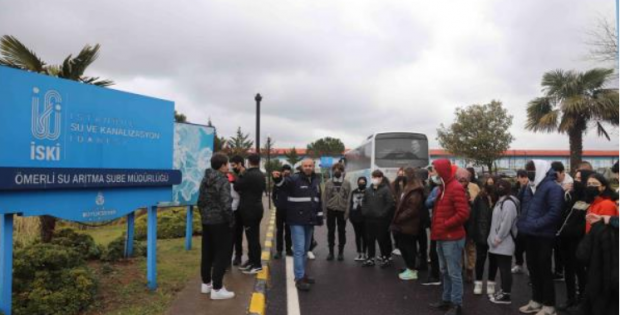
(14, 54)
(572, 103)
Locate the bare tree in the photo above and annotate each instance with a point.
(603, 41)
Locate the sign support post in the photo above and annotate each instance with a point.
(151, 248)
(129, 235)
(6, 262)
(189, 228)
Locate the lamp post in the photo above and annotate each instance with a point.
(258, 98)
(268, 165)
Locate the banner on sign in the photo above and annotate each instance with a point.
(193, 148)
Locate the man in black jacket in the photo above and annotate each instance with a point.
(251, 186)
(215, 204)
(283, 231)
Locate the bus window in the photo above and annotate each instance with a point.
(393, 150)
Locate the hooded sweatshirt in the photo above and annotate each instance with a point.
(451, 208)
(503, 226)
(541, 214)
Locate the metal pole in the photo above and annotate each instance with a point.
(129, 238)
(269, 175)
(151, 248)
(6, 262)
(189, 228)
(258, 98)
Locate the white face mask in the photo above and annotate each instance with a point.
(376, 181)
(436, 179)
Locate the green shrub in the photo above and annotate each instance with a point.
(170, 224)
(51, 279)
(82, 243)
(116, 250)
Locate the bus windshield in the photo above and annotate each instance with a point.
(401, 150)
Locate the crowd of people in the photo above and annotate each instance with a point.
(565, 225)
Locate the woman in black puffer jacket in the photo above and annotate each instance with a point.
(479, 227)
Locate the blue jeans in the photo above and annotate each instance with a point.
(450, 254)
(302, 238)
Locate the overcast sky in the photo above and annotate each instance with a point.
(325, 68)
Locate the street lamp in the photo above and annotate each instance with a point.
(258, 98)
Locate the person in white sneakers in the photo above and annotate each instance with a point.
(215, 204)
(502, 238)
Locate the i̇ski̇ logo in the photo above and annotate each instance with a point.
(46, 125)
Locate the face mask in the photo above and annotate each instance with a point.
(577, 187)
(436, 179)
(236, 170)
(361, 186)
(337, 174)
(376, 181)
(531, 175)
(592, 193)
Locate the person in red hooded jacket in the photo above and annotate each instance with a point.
(450, 213)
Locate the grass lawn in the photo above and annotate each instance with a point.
(122, 287)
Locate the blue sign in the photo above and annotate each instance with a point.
(193, 148)
(77, 145)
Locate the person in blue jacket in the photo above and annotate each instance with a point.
(541, 213)
(303, 212)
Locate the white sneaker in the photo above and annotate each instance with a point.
(517, 269)
(547, 310)
(531, 308)
(206, 288)
(311, 256)
(222, 294)
(490, 288)
(360, 257)
(477, 287)
(397, 252)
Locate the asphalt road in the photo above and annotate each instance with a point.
(346, 288)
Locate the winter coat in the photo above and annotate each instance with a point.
(408, 213)
(251, 186)
(378, 202)
(304, 199)
(214, 199)
(451, 208)
(503, 226)
(355, 206)
(541, 215)
(599, 251)
(480, 220)
(336, 195)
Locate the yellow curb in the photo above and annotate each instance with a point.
(265, 255)
(270, 234)
(268, 244)
(257, 304)
(264, 274)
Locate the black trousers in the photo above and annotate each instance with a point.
(376, 231)
(558, 262)
(238, 236)
(252, 235)
(423, 246)
(572, 268)
(408, 245)
(360, 237)
(216, 247)
(336, 218)
(504, 263)
(283, 232)
(434, 272)
(481, 259)
(538, 251)
(520, 249)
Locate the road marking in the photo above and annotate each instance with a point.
(292, 299)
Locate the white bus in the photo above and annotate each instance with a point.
(387, 151)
